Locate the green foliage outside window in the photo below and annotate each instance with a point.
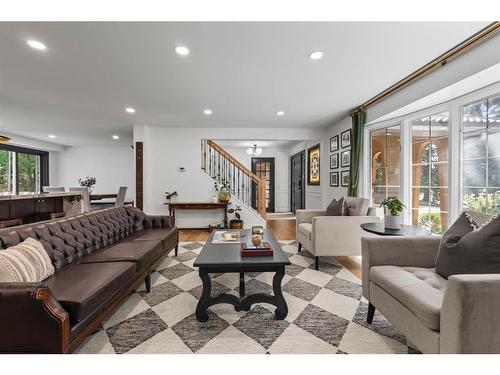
(482, 202)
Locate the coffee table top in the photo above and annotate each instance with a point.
(228, 254)
(406, 230)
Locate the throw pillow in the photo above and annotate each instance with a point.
(25, 262)
(467, 248)
(336, 207)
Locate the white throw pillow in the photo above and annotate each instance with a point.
(25, 262)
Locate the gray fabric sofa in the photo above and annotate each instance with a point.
(455, 315)
(334, 235)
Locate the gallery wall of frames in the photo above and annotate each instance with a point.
(340, 159)
(438, 161)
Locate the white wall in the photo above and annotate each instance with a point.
(167, 149)
(111, 166)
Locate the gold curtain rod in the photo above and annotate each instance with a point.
(441, 60)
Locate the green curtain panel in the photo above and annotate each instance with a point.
(358, 124)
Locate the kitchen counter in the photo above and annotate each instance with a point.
(39, 206)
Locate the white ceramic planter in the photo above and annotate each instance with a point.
(392, 222)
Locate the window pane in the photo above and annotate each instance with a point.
(475, 116)
(494, 173)
(475, 145)
(385, 163)
(474, 200)
(6, 172)
(28, 173)
(494, 143)
(494, 112)
(474, 173)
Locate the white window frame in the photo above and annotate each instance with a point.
(455, 149)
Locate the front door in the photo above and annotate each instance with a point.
(297, 163)
(264, 167)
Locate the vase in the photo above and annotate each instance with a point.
(392, 222)
(224, 196)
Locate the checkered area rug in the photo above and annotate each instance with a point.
(326, 313)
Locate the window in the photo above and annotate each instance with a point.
(481, 156)
(385, 163)
(429, 196)
(22, 171)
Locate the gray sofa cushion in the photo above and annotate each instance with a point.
(467, 249)
(421, 290)
(336, 207)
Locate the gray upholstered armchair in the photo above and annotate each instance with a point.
(455, 315)
(334, 235)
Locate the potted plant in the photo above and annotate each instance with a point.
(222, 188)
(169, 196)
(393, 208)
(236, 223)
(87, 182)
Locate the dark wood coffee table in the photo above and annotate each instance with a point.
(226, 258)
(406, 230)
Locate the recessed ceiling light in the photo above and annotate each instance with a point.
(116, 136)
(280, 113)
(182, 50)
(207, 111)
(316, 55)
(130, 110)
(52, 136)
(36, 44)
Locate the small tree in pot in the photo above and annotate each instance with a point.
(236, 223)
(393, 208)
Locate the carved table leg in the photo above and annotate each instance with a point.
(204, 302)
(281, 307)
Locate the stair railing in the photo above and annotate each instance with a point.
(242, 182)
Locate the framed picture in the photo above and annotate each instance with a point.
(334, 161)
(313, 165)
(334, 143)
(345, 139)
(345, 177)
(345, 158)
(334, 179)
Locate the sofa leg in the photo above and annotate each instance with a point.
(176, 249)
(316, 263)
(371, 312)
(300, 247)
(147, 282)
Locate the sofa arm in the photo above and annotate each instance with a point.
(470, 320)
(32, 320)
(158, 221)
(339, 235)
(306, 216)
(413, 251)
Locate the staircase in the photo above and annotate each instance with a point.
(246, 186)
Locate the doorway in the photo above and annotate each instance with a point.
(264, 167)
(297, 186)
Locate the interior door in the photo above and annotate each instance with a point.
(264, 167)
(297, 177)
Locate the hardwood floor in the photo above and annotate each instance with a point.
(282, 230)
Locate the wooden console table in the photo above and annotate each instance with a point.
(173, 206)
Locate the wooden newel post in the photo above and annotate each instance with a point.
(261, 197)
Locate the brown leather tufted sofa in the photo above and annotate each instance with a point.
(99, 257)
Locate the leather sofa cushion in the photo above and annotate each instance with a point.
(159, 234)
(140, 252)
(306, 229)
(421, 290)
(81, 288)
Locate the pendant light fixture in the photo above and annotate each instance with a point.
(254, 151)
(4, 139)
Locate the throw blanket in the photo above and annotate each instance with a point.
(25, 262)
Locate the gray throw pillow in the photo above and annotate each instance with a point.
(336, 207)
(467, 248)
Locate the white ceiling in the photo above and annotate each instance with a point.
(79, 87)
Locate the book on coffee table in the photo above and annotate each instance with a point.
(249, 249)
(221, 237)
